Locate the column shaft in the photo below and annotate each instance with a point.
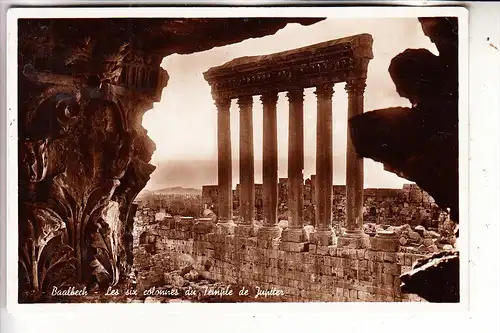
(270, 159)
(324, 160)
(247, 182)
(354, 164)
(295, 157)
(224, 165)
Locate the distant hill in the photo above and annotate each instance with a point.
(171, 190)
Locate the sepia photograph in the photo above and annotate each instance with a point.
(231, 159)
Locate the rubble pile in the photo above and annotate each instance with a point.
(418, 238)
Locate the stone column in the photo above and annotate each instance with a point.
(354, 236)
(224, 166)
(324, 165)
(294, 232)
(270, 227)
(247, 182)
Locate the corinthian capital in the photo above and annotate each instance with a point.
(295, 95)
(324, 91)
(222, 104)
(245, 102)
(269, 98)
(355, 85)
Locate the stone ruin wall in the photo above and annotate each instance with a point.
(304, 271)
(383, 206)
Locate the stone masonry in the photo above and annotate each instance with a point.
(305, 271)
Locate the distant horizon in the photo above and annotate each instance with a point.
(201, 188)
(196, 173)
(157, 187)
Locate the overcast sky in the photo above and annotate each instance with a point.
(183, 123)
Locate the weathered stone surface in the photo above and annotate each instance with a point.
(293, 246)
(304, 271)
(427, 242)
(174, 279)
(268, 233)
(225, 228)
(203, 226)
(243, 230)
(192, 275)
(322, 237)
(378, 243)
(414, 236)
(354, 242)
(293, 235)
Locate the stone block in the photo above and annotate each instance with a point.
(243, 230)
(293, 235)
(203, 226)
(268, 233)
(344, 253)
(251, 242)
(292, 246)
(390, 257)
(363, 265)
(375, 267)
(225, 228)
(168, 223)
(335, 262)
(184, 223)
(275, 243)
(229, 240)
(354, 241)
(323, 237)
(352, 253)
(360, 254)
(379, 256)
(405, 269)
(379, 243)
(262, 243)
(388, 280)
(400, 258)
(365, 296)
(391, 268)
(322, 250)
(332, 250)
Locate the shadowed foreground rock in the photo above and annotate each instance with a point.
(434, 278)
(421, 143)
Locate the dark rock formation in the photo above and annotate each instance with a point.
(84, 85)
(421, 143)
(434, 278)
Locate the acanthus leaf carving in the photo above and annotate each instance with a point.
(76, 184)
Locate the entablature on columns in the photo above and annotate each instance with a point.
(325, 63)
